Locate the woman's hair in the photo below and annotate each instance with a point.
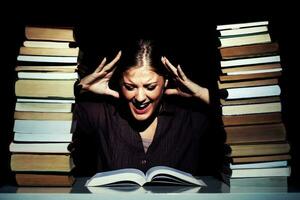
(143, 57)
(141, 53)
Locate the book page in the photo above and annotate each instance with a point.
(117, 176)
(172, 175)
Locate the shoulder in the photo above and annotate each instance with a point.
(184, 111)
(180, 105)
(95, 108)
(184, 118)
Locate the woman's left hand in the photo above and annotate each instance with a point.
(184, 86)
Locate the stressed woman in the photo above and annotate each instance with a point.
(135, 126)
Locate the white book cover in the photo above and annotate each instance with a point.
(47, 75)
(242, 25)
(251, 92)
(244, 40)
(281, 163)
(264, 172)
(241, 31)
(54, 59)
(32, 67)
(251, 108)
(45, 44)
(255, 71)
(43, 137)
(250, 61)
(39, 147)
(42, 126)
(67, 101)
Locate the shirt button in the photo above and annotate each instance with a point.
(143, 162)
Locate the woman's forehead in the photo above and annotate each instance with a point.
(144, 73)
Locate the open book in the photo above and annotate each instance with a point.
(136, 189)
(158, 174)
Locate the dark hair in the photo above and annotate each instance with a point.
(141, 53)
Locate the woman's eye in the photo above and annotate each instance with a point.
(128, 87)
(151, 87)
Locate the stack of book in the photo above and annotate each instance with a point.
(249, 84)
(46, 72)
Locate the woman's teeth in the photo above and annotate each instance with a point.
(141, 106)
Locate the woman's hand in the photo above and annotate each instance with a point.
(184, 86)
(97, 81)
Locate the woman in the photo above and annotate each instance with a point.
(135, 125)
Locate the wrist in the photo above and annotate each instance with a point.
(203, 94)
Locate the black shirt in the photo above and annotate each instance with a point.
(106, 139)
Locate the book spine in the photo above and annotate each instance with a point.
(250, 61)
(46, 70)
(250, 100)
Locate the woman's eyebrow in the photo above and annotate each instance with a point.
(151, 83)
(126, 83)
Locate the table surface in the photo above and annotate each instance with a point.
(215, 189)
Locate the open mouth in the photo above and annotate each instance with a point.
(141, 108)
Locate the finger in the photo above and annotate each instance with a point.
(113, 93)
(163, 60)
(109, 74)
(171, 66)
(174, 76)
(99, 68)
(181, 73)
(171, 92)
(110, 65)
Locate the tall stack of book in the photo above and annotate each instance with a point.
(249, 84)
(46, 72)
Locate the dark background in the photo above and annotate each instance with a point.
(188, 31)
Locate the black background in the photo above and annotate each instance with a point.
(187, 29)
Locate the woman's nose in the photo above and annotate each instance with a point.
(140, 95)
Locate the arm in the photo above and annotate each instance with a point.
(84, 143)
(97, 82)
(185, 87)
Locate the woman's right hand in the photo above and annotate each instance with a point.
(97, 81)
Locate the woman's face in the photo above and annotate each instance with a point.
(143, 89)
